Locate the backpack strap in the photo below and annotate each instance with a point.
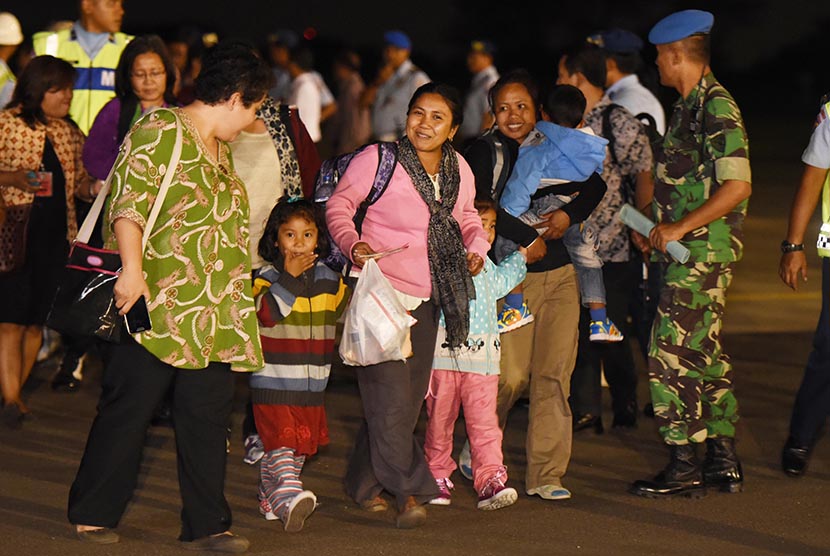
(647, 120)
(500, 160)
(387, 159)
(608, 131)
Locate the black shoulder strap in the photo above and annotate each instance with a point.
(285, 116)
(647, 119)
(608, 131)
(500, 160)
(387, 159)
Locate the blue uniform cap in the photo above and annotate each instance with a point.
(485, 47)
(680, 25)
(397, 39)
(617, 41)
(284, 37)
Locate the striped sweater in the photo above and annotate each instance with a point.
(297, 318)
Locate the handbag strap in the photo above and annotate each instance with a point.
(89, 222)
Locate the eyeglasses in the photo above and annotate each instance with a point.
(154, 75)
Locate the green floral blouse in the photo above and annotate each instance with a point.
(196, 263)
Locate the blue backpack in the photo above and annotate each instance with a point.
(329, 175)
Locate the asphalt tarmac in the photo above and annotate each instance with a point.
(767, 332)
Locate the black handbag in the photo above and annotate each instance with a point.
(84, 304)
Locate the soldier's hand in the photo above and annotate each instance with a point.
(662, 234)
(791, 265)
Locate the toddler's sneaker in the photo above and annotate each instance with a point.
(265, 508)
(444, 497)
(495, 494)
(254, 450)
(605, 331)
(299, 509)
(511, 318)
(465, 462)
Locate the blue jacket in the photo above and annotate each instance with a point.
(555, 152)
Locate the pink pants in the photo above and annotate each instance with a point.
(449, 390)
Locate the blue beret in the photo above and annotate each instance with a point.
(284, 37)
(680, 25)
(398, 39)
(617, 41)
(485, 47)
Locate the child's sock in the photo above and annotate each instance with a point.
(598, 314)
(514, 300)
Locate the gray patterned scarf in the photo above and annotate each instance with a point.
(452, 285)
(287, 155)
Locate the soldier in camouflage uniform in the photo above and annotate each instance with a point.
(702, 186)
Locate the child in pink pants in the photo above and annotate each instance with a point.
(469, 377)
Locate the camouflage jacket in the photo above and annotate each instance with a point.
(705, 145)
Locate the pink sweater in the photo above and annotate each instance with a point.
(400, 216)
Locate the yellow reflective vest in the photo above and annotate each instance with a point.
(95, 79)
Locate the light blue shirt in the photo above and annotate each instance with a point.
(92, 43)
(392, 100)
(817, 153)
(480, 354)
(629, 93)
(476, 103)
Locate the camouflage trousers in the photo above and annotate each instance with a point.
(690, 377)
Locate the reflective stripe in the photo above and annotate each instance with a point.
(95, 79)
(823, 242)
(52, 44)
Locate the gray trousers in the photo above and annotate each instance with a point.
(386, 455)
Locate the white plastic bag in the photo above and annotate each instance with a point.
(376, 328)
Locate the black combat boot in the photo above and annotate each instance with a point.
(681, 477)
(721, 468)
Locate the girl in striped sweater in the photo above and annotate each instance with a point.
(298, 301)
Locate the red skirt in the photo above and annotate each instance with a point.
(301, 428)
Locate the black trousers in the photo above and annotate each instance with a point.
(386, 455)
(133, 384)
(615, 358)
(812, 403)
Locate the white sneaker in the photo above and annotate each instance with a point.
(299, 509)
(254, 450)
(550, 492)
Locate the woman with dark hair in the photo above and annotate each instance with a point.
(144, 80)
(434, 188)
(40, 174)
(541, 354)
(195, 277)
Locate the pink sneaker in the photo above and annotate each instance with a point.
(264, 507)
(444, 497)
(266, 510)
(495, 494)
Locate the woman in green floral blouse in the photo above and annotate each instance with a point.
(195, 275)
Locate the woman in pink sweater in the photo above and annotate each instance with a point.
(428, 206)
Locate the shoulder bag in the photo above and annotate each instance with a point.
(84, 304)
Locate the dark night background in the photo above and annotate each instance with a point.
(769, 53)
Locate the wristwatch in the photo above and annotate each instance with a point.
(787, 247)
